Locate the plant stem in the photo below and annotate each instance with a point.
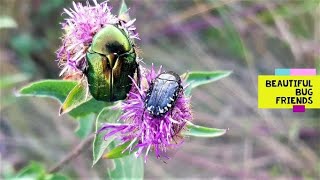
(73, 154)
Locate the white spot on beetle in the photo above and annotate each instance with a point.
(169, 105)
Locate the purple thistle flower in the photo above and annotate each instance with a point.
(83, 23)
(147, 132)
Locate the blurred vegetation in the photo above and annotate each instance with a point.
(249, 37)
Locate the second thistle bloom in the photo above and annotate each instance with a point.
(154, 115)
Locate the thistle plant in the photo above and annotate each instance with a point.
(135, 110)
(153, 116)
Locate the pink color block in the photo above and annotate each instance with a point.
(299, 108)
(303, 72)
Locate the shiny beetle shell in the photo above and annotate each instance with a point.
(111, 62)
(163, 93)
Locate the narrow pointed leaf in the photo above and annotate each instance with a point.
(198, 78)
(201, 131)
(128, 167)
(77, 96)
(123, 8)
(117, 152)
(99, 144)
(123, 12)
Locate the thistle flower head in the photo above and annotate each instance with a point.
(80, 27)
(148, 132)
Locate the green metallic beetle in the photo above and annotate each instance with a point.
(111, 62)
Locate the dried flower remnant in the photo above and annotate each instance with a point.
(155, 128)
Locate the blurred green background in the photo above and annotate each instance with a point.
(248, 37)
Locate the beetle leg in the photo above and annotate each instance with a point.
(175, 132)
(172, 136)
(138, 75)
(143, 114)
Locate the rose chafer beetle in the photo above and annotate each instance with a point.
(163, 93)
(111, 62)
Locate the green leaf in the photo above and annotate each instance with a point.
(201, 131)
(91, 106)
(77, 96)
(123, 8)
(57, 89)
(11, 80)
(128, 167)
(109, 115)
(117, 152)
(33, 170)
(197, 78)
(123, 12)
(36, 170)
(85, 125)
